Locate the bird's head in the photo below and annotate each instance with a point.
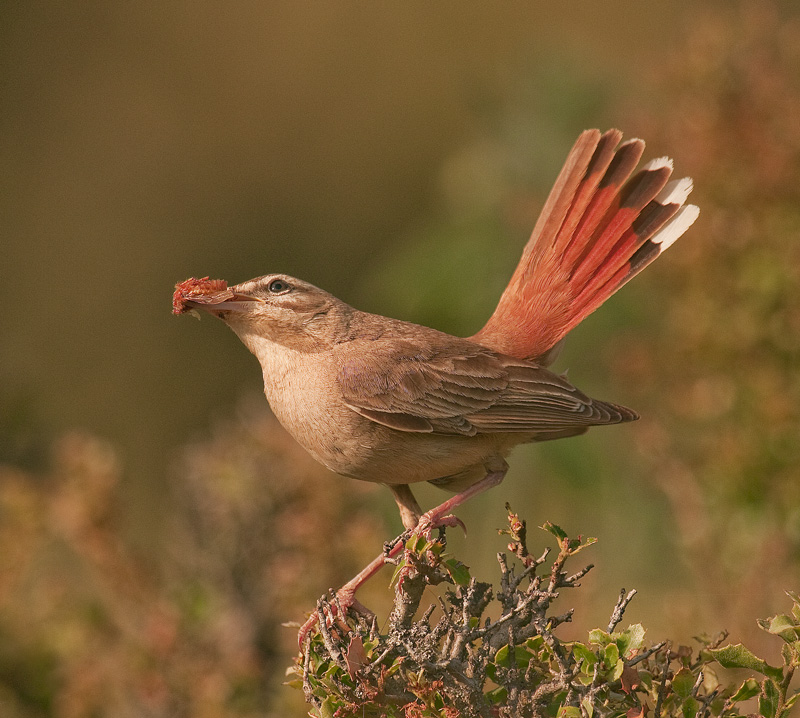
(275, 308)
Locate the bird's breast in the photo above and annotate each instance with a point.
(305, 397)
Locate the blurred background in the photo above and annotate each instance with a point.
(157, 526)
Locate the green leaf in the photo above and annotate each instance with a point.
(436, 548)
(498, 696)
(322, 668)
(747, 690)
(690, 707)
(616, 674)
(328, 708)
(631, 638)
(458, 571)
(796, 607)
(522, 657)
(556, 530)
(683, 682)
(647, 679)
(599, 636)
(769, 699)
(501, 657)
(611, 655)
(418, 543)
(791, 654)
(491, 671)
(781, 625)
(393, 668)
(536, 644)
(582, 653)
(588, 706)
(569, 712)
(740, 657)
(396, 573)
(576, 545)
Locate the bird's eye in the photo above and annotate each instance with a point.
(278, 286)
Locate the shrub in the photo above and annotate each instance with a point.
(494, 650)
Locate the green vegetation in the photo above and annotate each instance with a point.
(454, 660)
(144, 576)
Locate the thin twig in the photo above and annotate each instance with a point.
(571, 581)
(619, 609)
(646, 654)
(662, 689)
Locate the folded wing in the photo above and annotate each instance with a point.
(465, 389)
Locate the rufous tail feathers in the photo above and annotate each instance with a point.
(599, 228)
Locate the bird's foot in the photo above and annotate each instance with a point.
(421, 551)
(345, 597)
(434, 520)
(332, 611)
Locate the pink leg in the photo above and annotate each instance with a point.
(347, 593)
(440, 516)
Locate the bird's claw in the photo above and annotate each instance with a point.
(345, 599)
(336, 606)
(430, 521)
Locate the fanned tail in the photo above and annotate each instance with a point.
(601, 225)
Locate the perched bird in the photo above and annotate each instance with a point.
(396, 403)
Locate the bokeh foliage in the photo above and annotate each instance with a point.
(706, 345)
(89, 627)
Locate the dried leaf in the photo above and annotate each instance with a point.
(630, 679)
(356, 656)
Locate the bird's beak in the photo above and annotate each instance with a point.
(211, 295)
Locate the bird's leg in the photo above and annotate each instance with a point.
(410, 510)
(346, 595)
(410, 513)
(441, 516)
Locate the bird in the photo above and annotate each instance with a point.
(396, 403)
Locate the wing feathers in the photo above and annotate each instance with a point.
(465, 389)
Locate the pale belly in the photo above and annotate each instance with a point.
(349, 444)
(308, 404)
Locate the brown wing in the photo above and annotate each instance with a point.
(464, 389)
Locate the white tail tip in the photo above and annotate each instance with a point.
(683, 219)
(675, 192)
(657, 164)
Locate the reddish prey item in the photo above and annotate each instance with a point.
(201, 291)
